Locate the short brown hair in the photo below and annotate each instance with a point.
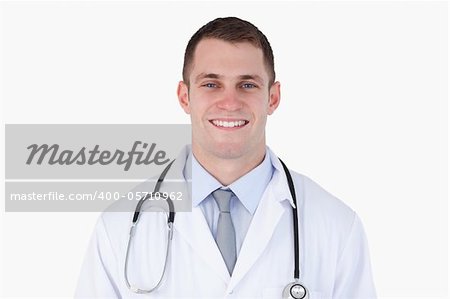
(230, 29)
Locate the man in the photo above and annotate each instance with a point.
(238, 240)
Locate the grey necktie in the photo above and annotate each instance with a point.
(226, 237)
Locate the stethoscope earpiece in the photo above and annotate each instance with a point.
(295, 290)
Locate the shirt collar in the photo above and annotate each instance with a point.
(203, 183)
(249, 188)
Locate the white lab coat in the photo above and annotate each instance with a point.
(333, 250)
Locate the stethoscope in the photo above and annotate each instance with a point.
(294, 290)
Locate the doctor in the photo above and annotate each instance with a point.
(229, 89)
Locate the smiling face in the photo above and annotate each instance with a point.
(228, 98)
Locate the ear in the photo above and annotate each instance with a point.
(183, 96)
(274, 97)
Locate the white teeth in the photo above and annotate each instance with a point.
(229, 124)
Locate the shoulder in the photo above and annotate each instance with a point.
(315, 195)
(320, 208)
(327, 222)
(314, 202)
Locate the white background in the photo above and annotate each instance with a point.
(364, 113)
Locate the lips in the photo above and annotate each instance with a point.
(228, 123)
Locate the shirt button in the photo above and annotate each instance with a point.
(230, 292)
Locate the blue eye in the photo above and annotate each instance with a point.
(248, 85)
(210, 85)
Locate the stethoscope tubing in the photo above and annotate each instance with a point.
(295, 220)
(134, 223)
(171, 219)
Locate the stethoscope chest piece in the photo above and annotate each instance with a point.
(295, 290)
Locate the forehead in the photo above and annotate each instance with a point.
(228, 59)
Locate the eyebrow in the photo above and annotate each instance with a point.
(252, 77)
(202, 76)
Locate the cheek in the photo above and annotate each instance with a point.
(199, 103)
(197, 111)
(261, 107)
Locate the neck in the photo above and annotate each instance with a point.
(228, 170)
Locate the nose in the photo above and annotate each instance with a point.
(229, 101)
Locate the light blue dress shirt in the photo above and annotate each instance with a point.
(248, 191)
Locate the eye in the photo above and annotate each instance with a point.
(248, 85)
(210, 85)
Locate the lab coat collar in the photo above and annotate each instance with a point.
(279, 178)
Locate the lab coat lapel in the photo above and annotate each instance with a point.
(192, 226)
(195, 231)
(261, 229)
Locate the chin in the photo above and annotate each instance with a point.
(230, 151)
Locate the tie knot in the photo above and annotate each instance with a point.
(222, 198)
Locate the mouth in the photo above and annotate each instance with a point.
(229, 124)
